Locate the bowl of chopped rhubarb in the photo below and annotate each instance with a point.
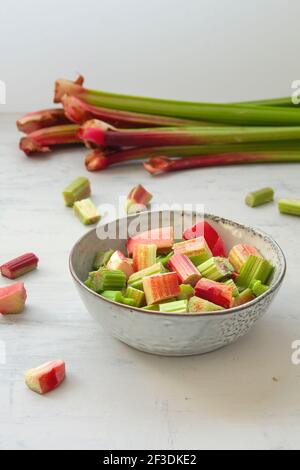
(185, 286)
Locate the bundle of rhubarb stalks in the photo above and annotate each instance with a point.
(165, 135)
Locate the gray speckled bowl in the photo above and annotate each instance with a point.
(176, 334)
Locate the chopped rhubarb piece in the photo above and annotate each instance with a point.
(47, 377)
(119, 262)
(136, 280)
(163, 238)
(260, 197)
(12, 299)
(216, 269)
(187, 273)
(179, 306)
(194, 247)
(144, 256)
(87, 212)
(19, 266)
(76, 191)
(255, 268)
(105, 280)
(219, 249)
(197, 305)
(245, 297)
(219, 294)
(289, 206)
(239, 255)
(258, 288)
(231, 283)
(161, 287)
(101, 259)
(152, 308)
(137, 295)
(116, 296)
(138, 200)
(186, 292)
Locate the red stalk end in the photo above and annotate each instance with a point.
(33, 122)
(96, 161)
(41, 141)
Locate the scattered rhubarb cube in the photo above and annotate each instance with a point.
(47, 377)
(195, 247)
(219, 294)
(163, 238)
(239, 255)
(19, 266)
(216, 269)
(161, 287)
(245, 297)
(187, 273)
(214, 241)
(144, 256)
(76, 191)
(12, 299)
(197, 305)
(119, 262)
(86, 211)
(138, 200)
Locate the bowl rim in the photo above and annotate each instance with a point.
(222, 313)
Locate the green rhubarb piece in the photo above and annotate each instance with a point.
(136, 279)
(289, 206)
(231, 283)
(152, 308)
(197, 305)
(258, 288)
(260, 197)
(106, 280)
(137, 295)
(164, 259)
(115, 296)
(186, 292)
(216, 269)
(86, 211)
(254, 269)
(197, 260)
(180, 306)
(101, 259)
(76, 191)
(245, 297)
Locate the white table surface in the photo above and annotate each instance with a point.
(115, 397)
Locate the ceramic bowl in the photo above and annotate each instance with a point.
(175, 334)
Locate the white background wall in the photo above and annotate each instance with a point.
(193, 49)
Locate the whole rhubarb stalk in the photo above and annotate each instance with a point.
(246, 115)
(158, 165)
(33, 122)
(183, 136)
(79, 111)
(41, 141)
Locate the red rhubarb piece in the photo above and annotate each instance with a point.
(47, 377)
(12, 299)
(19, 266)
(219, 294)
(163, 238)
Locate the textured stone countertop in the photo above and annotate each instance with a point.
(245, 396)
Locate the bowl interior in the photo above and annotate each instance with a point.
(119, 231)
